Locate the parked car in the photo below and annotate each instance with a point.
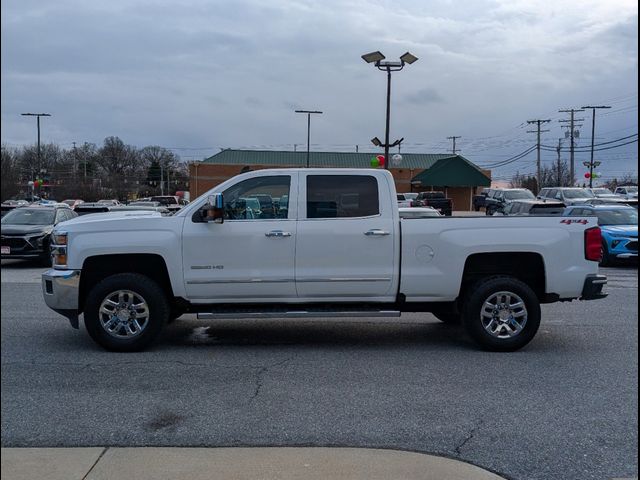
(501, 197)
(627, 191)
(532, 207)
(618, 200)
(437, 200)
(73, 203)
(418, 212)
(170, 201)
(143, 203)
(161, 209)
(567, 195)
(408, 200)
(602, 192)
(480, 201)
(619, 226)
(112, 201)
(9, 205)
(26, 231)
(92, 207)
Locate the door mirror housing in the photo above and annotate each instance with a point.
(213, 210)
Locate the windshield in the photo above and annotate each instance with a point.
(619, 216)
(632, 189)
(29, 216)
(517, 194)
(578, 193)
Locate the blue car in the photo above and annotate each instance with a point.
(619, 225)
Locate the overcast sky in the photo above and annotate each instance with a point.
(197, 76)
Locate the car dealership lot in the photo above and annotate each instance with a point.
(563, 407)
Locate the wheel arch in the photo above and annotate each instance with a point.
(96, 268)
(527, 267)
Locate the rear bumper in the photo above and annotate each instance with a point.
(593, 288)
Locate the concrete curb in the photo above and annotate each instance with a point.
(268, 463)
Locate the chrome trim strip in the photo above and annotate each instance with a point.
(251, 280)
(344, 279)
(298, 314)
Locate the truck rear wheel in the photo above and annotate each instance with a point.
(126, 312)
(501, 314)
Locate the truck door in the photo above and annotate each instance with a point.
(249, 257)
(347, 240)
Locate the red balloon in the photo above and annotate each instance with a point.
(380, 160)
(587, 175)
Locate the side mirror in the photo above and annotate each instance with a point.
(213, 210)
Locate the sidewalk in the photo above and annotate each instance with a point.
(231, 463)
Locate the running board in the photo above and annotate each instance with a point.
(297, 314)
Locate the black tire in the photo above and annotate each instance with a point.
(488, 211)
(474, 322)
(148, 290)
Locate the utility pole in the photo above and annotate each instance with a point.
(559, 165)
(538, 131)
(593, 136)
(75, 162)
(454, 142)
(572, 125)
(308, 112)
(84, 157)
(37, 115)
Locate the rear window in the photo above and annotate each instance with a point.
(342, 196)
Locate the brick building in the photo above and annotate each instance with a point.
(455, 175)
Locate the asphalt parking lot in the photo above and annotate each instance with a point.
(565, 407)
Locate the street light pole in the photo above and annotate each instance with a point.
(37, 115)
(308, 112)
(593, 136)
(376, 58)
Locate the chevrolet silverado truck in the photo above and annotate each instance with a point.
(335, 246)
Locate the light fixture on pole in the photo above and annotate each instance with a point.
(377, 59)
(308, 112)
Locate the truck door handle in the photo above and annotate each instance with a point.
(376, 232)
(277, 233)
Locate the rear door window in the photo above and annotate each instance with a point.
(342, 196)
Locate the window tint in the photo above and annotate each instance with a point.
(578, 212)
(339, 196)
(258, 198)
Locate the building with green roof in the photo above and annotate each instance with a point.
(459, 178)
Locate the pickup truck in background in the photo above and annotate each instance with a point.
(338, 249)
(437, 200)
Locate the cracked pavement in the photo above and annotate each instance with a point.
(565, 407)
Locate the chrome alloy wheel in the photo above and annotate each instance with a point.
(503, 315)
(124, 314)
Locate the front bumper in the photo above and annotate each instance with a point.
(61, 291)
(593, 287)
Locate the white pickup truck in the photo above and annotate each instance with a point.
(316, 243)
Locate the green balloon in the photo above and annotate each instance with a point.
(375, 163)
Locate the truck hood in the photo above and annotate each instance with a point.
(116, 221)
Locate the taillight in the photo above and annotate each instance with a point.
(593, 244)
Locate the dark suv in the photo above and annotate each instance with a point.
(501, 197)
(26, 231)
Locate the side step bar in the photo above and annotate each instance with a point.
(297, 314)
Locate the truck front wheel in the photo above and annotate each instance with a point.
(501, 314)
(126, 312)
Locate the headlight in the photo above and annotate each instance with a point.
(60, 238)
(59, 249)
